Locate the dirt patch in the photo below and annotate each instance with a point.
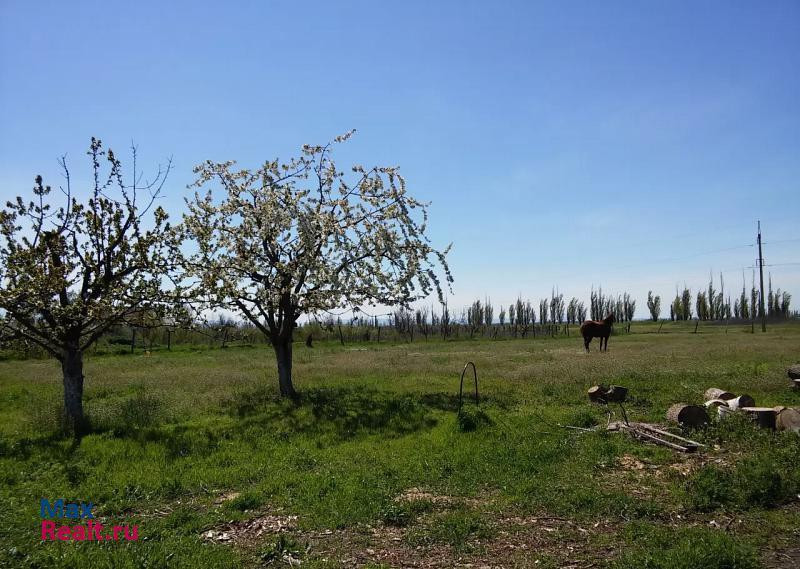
(788, 558)
(519, 542)
(226, 497)
(251, 531)
(442, 501)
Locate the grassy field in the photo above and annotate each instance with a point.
(372, 468)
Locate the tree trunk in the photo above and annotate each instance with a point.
(283, 353)
(597, 393)
(72, 368)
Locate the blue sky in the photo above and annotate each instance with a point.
(631, 145)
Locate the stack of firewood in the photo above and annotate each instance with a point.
(726, 403)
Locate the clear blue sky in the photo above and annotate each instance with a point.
(561, 143)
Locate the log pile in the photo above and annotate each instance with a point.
(727, 403)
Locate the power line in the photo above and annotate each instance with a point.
(781, 241)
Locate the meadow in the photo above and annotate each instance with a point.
(372, 467)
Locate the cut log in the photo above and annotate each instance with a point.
(714, 403)
(796, 383)
(598, 393)
(724, 411)
(716, 393)
(741, 401)
(764, 417)
(617, 394)
(688, 415)
(794, 371)
(787, 419)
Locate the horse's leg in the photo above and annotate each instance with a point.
(606, 343)
(586, 341)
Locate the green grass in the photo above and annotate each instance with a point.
(174, 433)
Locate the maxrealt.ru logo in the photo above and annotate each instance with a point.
(90, 531)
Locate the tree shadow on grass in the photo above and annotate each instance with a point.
(449, 401)
(341, 412)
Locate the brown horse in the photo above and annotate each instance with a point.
(597, 329)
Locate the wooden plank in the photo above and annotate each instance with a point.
(667, 434)
(642, 433)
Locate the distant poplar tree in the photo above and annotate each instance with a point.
(686, 304)
(702, 306)
(581, 310)
(475, 317)
(629, 308)
(572, 311)
(526, 317)
(543, 311)
(488, 312)
(653, 305)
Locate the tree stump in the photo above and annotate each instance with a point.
(617, 394)
(794, 371)
(597, 393)
(741, 401)
(787, 419)
(688, 415)
(716, 393)
(764, 417)
(796, 383)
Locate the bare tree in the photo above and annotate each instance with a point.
(488, 314)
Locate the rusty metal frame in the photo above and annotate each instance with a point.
(461, 388)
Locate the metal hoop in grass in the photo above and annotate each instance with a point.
(461, 389)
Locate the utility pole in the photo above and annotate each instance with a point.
(761, 273)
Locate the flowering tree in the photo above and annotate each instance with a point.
(69, 273)
(302, 237)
